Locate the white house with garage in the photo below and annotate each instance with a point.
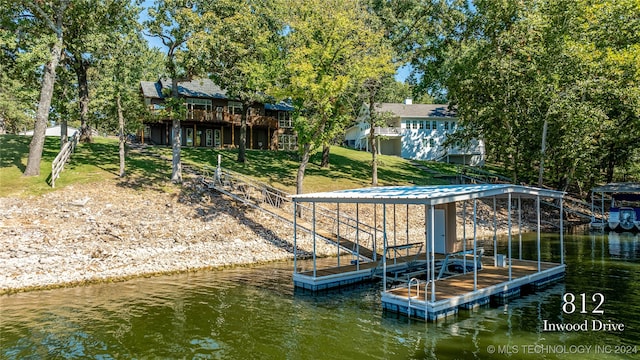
(415, 131)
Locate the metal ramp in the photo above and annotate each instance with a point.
(277, 203)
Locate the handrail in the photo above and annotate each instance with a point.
(63, 156)
(258, 193)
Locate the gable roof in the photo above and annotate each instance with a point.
(200, 88)
(417, 110)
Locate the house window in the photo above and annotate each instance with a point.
(287, 142)
(198, 108)
(446, 125)
(284, 119)
(235, 107)
(421, 125)
(434, 125)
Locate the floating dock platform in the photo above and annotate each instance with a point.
(457, 292)
(452, 271)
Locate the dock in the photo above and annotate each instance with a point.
(457, 292)
(428, 269)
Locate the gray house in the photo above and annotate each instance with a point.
(415, 131)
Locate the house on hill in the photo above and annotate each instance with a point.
(415, 131)
(212, 119)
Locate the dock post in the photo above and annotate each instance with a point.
(338, 231)
(314, 240)
(475, 246)
(538, 233)
(295, 236)
(509, 233)
(562, 231)
(432, 221)
(519, 227)
(358, 236)
(427, 229)
(495, 234)
(384, 245)
(375, 231)
(464, 236)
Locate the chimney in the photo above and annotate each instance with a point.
(408, 101)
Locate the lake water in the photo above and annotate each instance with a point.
(254, 313)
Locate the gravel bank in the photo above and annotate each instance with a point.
(116, 230)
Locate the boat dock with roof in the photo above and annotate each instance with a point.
(431, 265)
(616, 208)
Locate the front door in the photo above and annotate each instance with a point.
(216, 137)
(189, 136)
(209, 138)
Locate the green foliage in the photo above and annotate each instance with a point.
(332, 47)
(513, 67)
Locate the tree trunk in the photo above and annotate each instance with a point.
(81, 67)
(373, 146)
(243, 133)
(42, 117)
(326, 150)
(543, 149)
(64, 136)
(303, 166)
(176, 174)
(374, 159)
(373, 87)
(121, 133)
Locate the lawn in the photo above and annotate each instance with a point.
(348, 168)
(99, 161)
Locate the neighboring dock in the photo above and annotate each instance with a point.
(428, 270)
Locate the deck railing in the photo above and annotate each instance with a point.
(63, 156)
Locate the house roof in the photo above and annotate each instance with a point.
(200, 88)
(417, 110)
(429, 195)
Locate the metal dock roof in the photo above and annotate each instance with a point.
(430, 195)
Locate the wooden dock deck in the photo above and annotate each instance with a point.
(454, 292)
(336, 276)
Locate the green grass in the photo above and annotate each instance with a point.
(348, 168)
(91, 163)
(99, 161)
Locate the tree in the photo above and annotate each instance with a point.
(19, 56)
(174, 22)
(330, 49)
(50, 16)
(94, 23)
(547, 84)
(123, 63)
(238, 47)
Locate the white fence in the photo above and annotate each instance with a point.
(58, 163)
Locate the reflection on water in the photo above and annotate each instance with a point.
(255, 313)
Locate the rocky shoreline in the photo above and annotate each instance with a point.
(116, 230)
